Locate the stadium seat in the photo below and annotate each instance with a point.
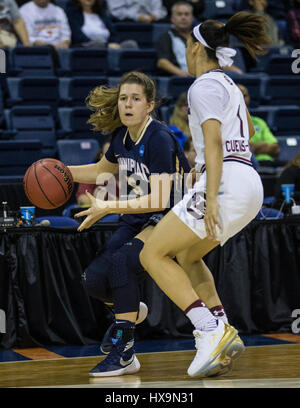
(171, 87)
(73, 122)
(281, 90)
(140, 32)
(286, 121)
(33, 91)
(289, 147)
(73, 91)
(263, 60)
(76, 152)
(17, 155)
(269, 214)
(159, 29)
(32, 61)
(279, 65)
(83, 62)
(217, 9)
(58, 221)
(254, 85)
(33, 122)
(265, 113)
(143, 60)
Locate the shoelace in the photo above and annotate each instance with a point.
(199, 340)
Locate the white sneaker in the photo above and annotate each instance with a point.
(142, 313)
(209, 345)
(224, 363)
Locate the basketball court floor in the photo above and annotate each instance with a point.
(269, 361)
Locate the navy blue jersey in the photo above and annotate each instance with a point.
(156, 152)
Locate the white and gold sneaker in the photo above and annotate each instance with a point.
(224, 364)
(210, 345)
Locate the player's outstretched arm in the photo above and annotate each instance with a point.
(88, 173)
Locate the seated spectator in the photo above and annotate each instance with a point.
(290, 174)
(46, 24)
(11, 25)
(170, 46)
(178, 122)
(259, 7)
(293, 24)
(198, 7)
(263, 144)
(91, 27)
(143, 11)
(190, 152)
(96, 190)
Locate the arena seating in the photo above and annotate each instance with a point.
(42, 96)
(75, 152)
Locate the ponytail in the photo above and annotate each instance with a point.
(249, 29)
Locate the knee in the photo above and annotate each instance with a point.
(144, 257)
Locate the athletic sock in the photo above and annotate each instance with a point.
(200, 316)
(219, 313)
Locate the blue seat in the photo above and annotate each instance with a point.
(263, 60)
(289, 147)
(159, 29)
(143, 60)
(281, 90)
(73, 122)
(32, 61)
(33, 91)
(58, 221)
(286, 121)
(171, 87)
(279, 65)
(83, 62)
(17, 155)
(73, 91)
(269, 214)
(265, 113)
(33, 122)
(76, 152)
(218, 9)
(140, 32)
(254, 85)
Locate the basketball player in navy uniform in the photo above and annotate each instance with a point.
(144, 153)
(141, 149)
(229, 192)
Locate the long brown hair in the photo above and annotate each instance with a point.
(247, 27)
(176, 118)
(104, 101)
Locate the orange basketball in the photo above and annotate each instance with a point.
(48, 183)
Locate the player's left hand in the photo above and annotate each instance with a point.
(211, 219)
(94, 213)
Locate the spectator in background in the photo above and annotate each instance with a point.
(198, 7)
(190, 152)
(263, 144)
(46, 24)
(170, 46)
(143, 11)
(91, 27)
(272, 30)
(293, 24)
(178, 122)
(11, 25)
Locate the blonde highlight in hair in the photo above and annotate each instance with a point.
(104, 101)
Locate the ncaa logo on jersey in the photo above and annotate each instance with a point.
(142, 151)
